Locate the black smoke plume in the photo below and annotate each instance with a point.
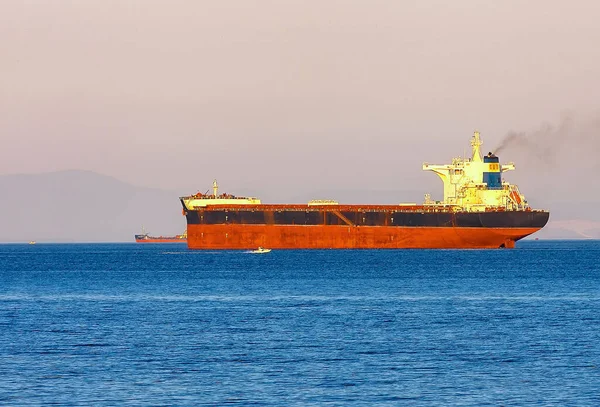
(571, 135)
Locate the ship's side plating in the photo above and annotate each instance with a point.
(479, 210)
(357, 227)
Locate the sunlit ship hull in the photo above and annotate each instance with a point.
(479, 210)
(354, 227)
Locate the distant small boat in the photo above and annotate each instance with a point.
(32, 242)
(260, 250)
(146, 238)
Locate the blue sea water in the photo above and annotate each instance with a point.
(127, 324)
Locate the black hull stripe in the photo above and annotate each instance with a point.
(510, 219)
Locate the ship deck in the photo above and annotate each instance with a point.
(345, 207)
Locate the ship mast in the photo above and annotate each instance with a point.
(476, 143)
(215, 188)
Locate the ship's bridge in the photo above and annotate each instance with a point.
(476, 183)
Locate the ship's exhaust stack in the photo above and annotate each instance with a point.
(492, 174)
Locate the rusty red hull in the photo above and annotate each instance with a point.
(351, 237)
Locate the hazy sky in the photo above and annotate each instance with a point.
(284, 95)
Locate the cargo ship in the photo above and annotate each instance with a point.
(479, 210)
(146, 238)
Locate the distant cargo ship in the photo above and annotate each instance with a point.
(146, 238)
(479, 210)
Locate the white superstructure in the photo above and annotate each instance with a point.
(202, 200)
(475, 184)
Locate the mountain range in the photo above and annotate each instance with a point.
(82, 206)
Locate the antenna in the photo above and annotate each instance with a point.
(476, 143)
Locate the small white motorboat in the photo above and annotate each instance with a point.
(260, 250)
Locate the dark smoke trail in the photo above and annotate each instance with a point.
(511, 138)
(548, 141)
